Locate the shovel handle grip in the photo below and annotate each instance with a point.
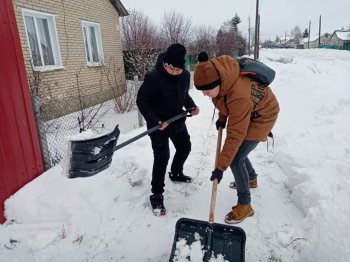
(213, 201)
(215, 182)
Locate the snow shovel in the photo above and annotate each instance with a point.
(91, 156)
(215, 239)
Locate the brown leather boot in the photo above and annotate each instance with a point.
(239, 213)
(252, 184)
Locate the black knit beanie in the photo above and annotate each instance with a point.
(175, 55)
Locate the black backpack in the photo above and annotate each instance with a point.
(256, 71)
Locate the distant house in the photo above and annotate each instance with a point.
(341, 39)
(314, 42)
(285, 42)
(68, 44)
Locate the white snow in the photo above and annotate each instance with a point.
(343, 35)
(194, 252)
(184, 251)
(301, 205)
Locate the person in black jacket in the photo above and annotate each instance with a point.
(163, 95)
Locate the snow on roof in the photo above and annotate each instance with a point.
(343, 35)
(285, 37)
(312, 38)
(315, 37)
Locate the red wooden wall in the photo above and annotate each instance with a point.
(20, 156)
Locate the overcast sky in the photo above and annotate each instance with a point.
(277, 16)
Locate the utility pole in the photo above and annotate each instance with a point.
(319, 32)
(257, 53)
(256, 39)
(249, 36)
(308, 39)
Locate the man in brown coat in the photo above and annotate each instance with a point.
(250, 111)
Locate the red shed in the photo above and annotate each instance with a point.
(20, 156)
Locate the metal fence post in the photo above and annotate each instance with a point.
(40, 125)
(191, 79)
(137, 87)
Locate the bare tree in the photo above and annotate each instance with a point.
(138, 32)
(87, 116)
(204, 40)
(141, 43)
(296, 32)
(123, 102)
(176, 28)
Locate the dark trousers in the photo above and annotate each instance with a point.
(161, 152)
(243, 170)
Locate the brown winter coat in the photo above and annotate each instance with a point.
(250, 109)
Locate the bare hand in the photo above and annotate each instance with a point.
(195, 112)
(163, 125)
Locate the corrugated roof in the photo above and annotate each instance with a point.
(119, 7)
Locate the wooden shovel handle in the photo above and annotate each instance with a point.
(215, 182)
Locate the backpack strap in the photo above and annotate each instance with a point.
(247, 73)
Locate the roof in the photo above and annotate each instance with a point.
(119, 7)
(311, 39)
(315, 37)
(343, 35)
(285, 38)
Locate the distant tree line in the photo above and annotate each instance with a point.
(142, 40)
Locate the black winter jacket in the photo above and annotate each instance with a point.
(163, 96)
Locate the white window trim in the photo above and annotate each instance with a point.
(98, 42)
(53, 38)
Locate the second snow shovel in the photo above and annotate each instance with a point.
(91, 156)
(215, 239)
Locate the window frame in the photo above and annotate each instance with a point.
(97, 27)
(52, 30)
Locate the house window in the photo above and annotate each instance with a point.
(93, 43)
(42, 39)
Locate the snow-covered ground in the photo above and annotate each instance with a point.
(301, 205)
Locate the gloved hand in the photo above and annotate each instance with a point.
(217, 173)
(219, 123)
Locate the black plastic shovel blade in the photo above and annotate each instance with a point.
(91, 156)
(216, 239)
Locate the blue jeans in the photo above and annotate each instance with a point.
(243, 170)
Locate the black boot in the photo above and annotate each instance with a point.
(179, 177)
(157, 203)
